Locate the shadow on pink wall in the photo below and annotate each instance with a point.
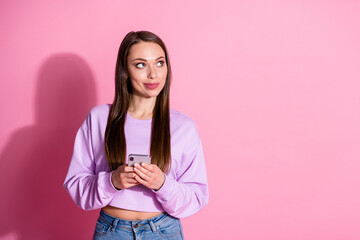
(33, 203)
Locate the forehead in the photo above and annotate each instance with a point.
(146, 50)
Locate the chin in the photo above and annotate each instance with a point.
(152, 95)
(148, 94)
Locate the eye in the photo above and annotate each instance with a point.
(140, 65)
(160, 63)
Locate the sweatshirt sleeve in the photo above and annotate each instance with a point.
(88, 189)
(188, 193)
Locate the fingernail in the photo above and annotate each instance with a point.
(143, 164)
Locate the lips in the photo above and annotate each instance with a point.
(151, 86)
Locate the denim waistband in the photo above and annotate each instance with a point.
(152, 222)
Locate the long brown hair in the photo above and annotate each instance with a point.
(115, 141)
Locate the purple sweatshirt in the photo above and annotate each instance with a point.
(88, 181)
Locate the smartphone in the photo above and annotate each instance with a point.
(138, 158)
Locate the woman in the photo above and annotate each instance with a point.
(147, 200)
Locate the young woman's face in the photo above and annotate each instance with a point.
(147, 69)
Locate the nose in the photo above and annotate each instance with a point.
(152, 73)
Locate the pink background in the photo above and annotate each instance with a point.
(274, 87)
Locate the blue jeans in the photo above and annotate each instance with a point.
(162, 226)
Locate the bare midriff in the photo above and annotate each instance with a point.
(129, 214)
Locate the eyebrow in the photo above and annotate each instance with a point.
(142, 59)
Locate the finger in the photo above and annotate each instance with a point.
(149, 167)
(128, 169)
(129, 182)
(129, 175)
(141, 181)
(145, 168)
(141, 174)
(133, 181)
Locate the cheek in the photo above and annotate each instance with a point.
(164, 74)
(137, 77)
(135, 83)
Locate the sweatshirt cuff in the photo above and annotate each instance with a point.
(167, 188)
(105, 182)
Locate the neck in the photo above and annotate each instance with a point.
(141, 108)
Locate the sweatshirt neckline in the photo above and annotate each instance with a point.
(138, 120)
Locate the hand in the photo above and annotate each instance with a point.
(149, 175)
(124, 177)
